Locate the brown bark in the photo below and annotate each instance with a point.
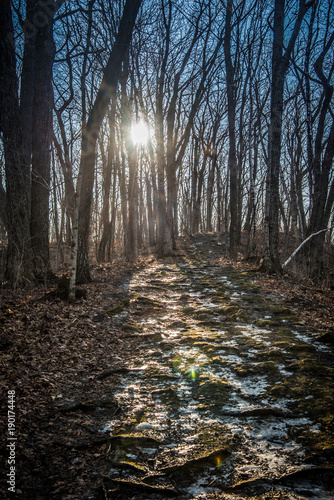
(18, 266)
(232, 158)
(41, 143)
(108, 167)
(280, 64)
(150, 218)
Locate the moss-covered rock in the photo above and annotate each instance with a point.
(131, 326)
(267, 322)
(177, 325)
(188, 310)
(119, 308)
(214, 392)
(327, 338)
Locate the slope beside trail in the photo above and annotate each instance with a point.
(186, 380)
(225, 396)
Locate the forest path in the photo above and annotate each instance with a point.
(225, 396)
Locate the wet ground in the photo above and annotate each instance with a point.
(182, 378)
(225, 396)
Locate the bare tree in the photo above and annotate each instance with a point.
(280, 64)
(90, 132)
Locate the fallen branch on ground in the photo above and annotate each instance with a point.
(303, 243)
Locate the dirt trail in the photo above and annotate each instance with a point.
(184, 379)
(225, 396)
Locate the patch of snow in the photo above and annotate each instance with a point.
(253, 385)
(283, 371)
(143, 426)
(311, 341)
(201, 488)
(149, 451)
(231, 358)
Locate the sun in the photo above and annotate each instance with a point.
(139, 133)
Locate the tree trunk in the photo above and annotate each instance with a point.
(161, 179)
(209, 196)
(132, 240)
(280, 64)
(106, 91)
(232, 159)
(74, 249)
(109, 165)
(194, 180)
(19, 259)
(171, 211)
(27, 89)
(41, 144)
(150, 220)
(278, 73)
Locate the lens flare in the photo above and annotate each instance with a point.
(193, 373)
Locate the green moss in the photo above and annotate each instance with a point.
(212, 324)
(119, 308)
(184, 297)
(188, 310)
(280, 310)
(280, 390)
(206, 347)
(309, 365)
(302, 348)
(256, 300)
(146, 301)
(131, 326)
(168, 395)
(243, 316)
(153, 371)
(177, 325)
(129, 442)
(319, 443)
(284, 314)
(284, 334)
(282, 344)
(128, 464)
(228, 310)
(272, 354)
(264, 368)
(214, 392)
(263, 323)
(203, 314)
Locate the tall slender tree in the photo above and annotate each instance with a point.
(41, 145)
(106, 91)
(26, 126)
(280, 65)
(231, 106)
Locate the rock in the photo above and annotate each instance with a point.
(178, 325)
(141, 485)
(119, 308)
(188, 310)
(327, 338)
(131, 326)
(212, 458)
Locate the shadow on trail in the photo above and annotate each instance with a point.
(226, 395)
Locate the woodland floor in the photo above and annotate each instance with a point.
(187, 378)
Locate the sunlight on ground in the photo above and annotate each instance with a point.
(217, 403)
